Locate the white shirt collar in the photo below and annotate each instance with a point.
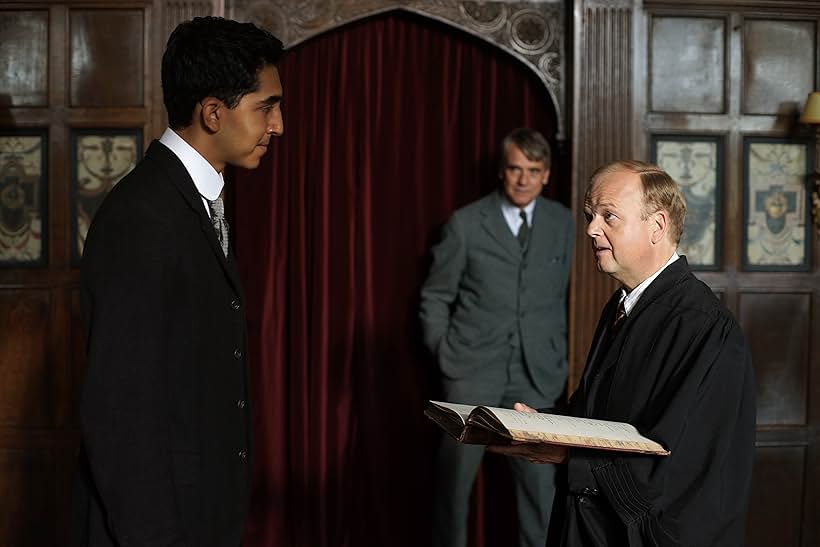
(207, 180)
(631, 298)
(512, 213)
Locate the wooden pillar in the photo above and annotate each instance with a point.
(602, 132)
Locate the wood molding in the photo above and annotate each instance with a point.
(779, 6)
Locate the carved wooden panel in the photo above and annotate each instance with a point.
(107, 56)
(26, 391)
(24, 58)
(687, 64)
(777, 497)
(532, 31)
(779, 65)
(777, 328)
(27, 491)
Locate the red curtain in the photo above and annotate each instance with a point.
(391, 123)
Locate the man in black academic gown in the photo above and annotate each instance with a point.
(668, 358)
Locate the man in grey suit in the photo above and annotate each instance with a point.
(493, 309)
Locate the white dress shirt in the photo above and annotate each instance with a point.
(631, 298)
(208, 181)
(512, 214)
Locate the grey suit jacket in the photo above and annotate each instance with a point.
(482, 291)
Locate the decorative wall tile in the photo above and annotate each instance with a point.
(23, 203)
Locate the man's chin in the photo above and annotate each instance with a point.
(250, 163)
(603, 266)
(520, 201)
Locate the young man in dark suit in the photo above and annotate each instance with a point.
(670, 359)
(165, 417)
(493, 309)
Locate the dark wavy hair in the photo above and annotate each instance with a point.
(213, 57)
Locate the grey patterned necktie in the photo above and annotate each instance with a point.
(220, 224)
(620, 316)
(524, 230)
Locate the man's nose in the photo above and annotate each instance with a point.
(593, 228)
(276, 124)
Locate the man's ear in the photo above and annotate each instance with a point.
(210, 113)
(659, 225)
(546, 178)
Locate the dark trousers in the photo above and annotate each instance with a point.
(457, 464)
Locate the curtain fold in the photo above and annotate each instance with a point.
(391, 123)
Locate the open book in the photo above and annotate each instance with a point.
(488, 425)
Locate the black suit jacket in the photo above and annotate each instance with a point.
(679, 370)
(164, 413)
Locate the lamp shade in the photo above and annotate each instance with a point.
(811, 113)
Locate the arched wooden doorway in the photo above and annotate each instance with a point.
(533, 32)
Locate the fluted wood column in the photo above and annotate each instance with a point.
(602, 132)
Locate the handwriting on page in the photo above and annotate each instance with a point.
(567, 425)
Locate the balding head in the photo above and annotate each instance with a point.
(635, 214)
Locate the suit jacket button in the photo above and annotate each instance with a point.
(240, 404)
(237, 353)
(235, 304)
(242, 454)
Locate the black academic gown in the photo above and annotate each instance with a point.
(679, 369)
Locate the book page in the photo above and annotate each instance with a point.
(565, 425)
(569, 430)
(452, 418)
(462, 411)
(491, 425)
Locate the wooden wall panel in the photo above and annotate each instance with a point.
(24, 58)
(777, 327)
(777, 497)
(27, 491)
(107, 49)
(64, 64)
(779, 65)
(770, 61)
(76, 340)
(687, 64)
(26, 384)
